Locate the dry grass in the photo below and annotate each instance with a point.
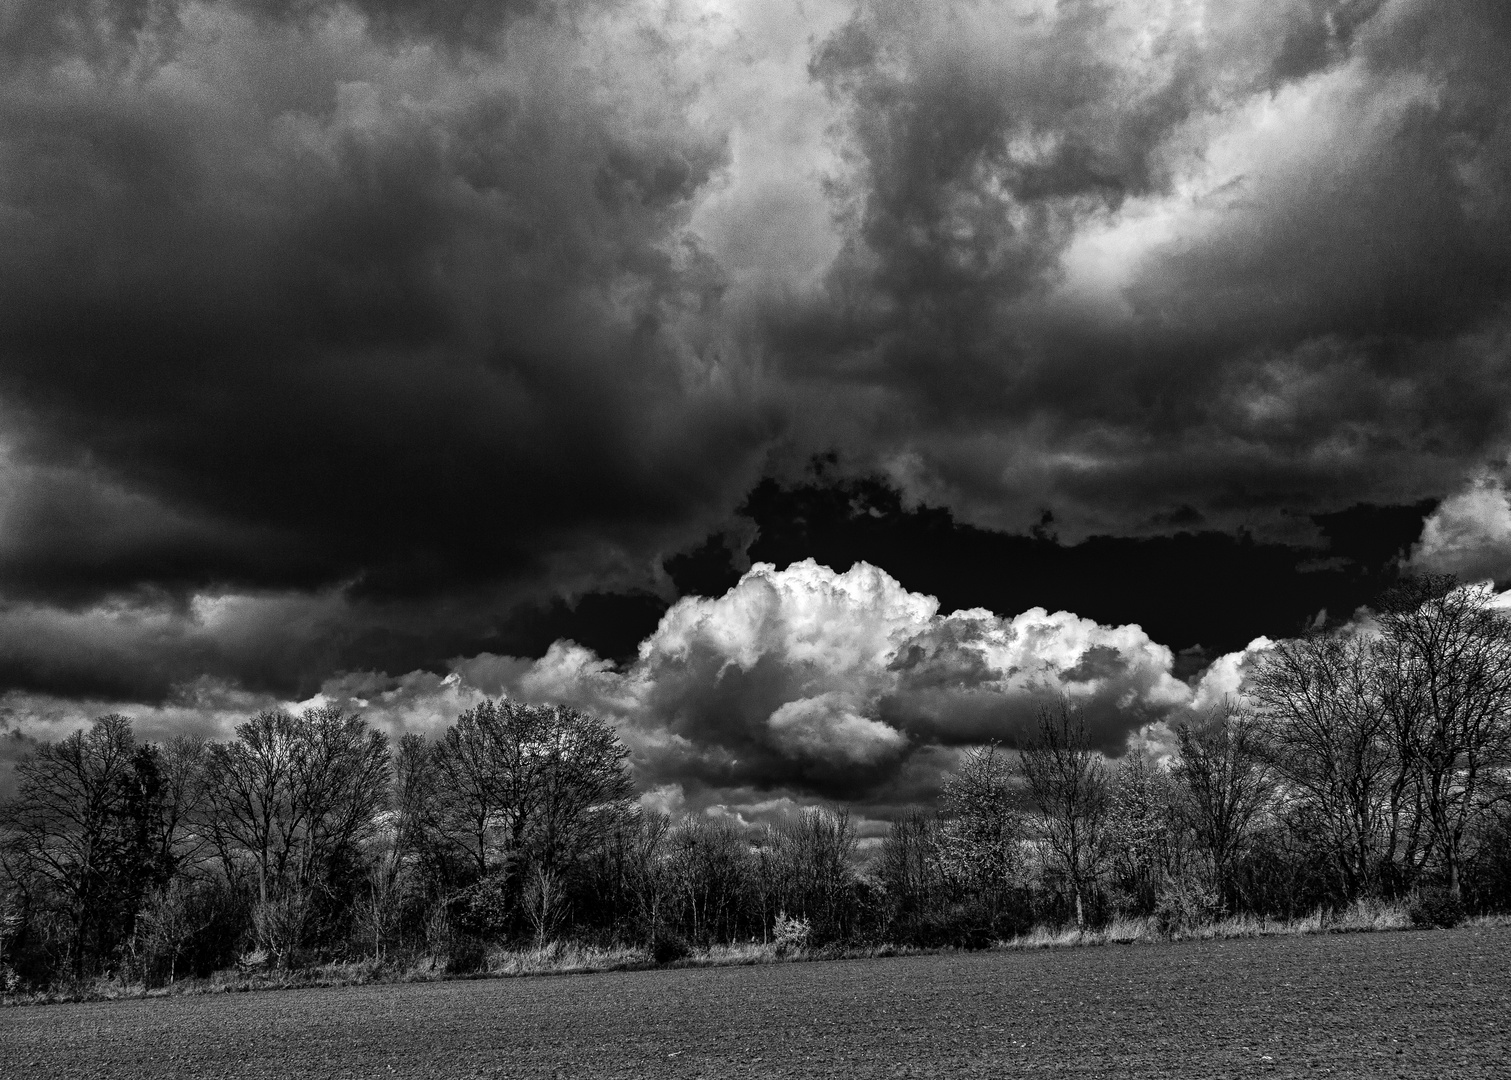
(565, 958)
(348, 973)
(1370, 915)
(1363, 916)
(1488, 922)
(1045, 937)
(568, 958)
(553, 958)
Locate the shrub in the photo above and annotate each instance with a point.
(790, 933)
(485, 908)
(249, 963)
(933, 928)
(1183, 906)
(968, 925)
(279, 925)
(12, 924)
(457, 952)
(39, 951)
(466, 955)
(667, 947)
(1436, 907)
(1487, 877)
(185, 928)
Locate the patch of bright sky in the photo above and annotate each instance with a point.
(1231, 170)
(766, 217)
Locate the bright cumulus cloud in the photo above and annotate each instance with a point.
(817, 683)
(1470, 533)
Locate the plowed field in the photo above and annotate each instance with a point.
(1431, 1003)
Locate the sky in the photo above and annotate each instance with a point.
(810, 388)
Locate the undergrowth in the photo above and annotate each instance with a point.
(571, 958)
(1363, 916)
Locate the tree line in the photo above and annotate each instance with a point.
(1370, 762)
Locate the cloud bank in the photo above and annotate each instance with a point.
(796, 684)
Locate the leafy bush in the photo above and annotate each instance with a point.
(485, 908)
(1436, 907)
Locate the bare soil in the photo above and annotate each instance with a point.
(1429, 1004)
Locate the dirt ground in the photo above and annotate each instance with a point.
(1426, 1003)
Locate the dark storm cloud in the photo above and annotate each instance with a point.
(359, 336)
(1114, 263)
(1192, 588)
(351, 315)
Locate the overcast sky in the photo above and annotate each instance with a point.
(407, 351)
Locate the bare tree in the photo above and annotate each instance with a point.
(252, 809)
(710, 867)
(981, 829)
(1445, 658)
(1327, 732)
(622, 873)
(1143, 842)
(535, 782)
(1069, 784)
(545, 905)
(341, 775)
(811, 862)
(469, 787)
(182, 768)
(1225, 786)
(581, 787)
(287, 795)
(87, 822)
(909, 864)
(413, 841)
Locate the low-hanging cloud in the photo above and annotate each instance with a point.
(802, 682)
(832, 684)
